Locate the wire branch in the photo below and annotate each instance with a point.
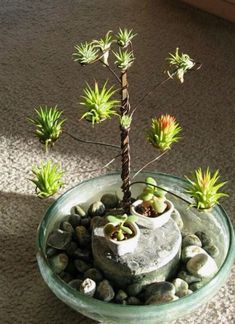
(166, 190)
(112, 71)
(92, 142)
(103, 167)
(147, 164)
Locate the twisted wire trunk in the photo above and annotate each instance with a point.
(125, 147)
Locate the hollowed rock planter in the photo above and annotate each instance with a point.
(217, 225)
(152, 222)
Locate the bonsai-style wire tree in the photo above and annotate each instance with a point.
(100, 103)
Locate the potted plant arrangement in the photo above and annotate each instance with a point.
(156, 247)
(122, 233)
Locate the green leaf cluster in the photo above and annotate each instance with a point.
(164, 132)
(48, 124)
(181, 64)
(47, 179)
(85, 54)
(99, 103)
(124, 58)
(203, 188)
(124, 37)
(125, 121)
(118, 225)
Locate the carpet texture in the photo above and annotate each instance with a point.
(37, 39)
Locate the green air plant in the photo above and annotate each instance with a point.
(48, 123)
(124, 37)
(47, 179)
(99, 103)
(153, 196)
(119, 228)
(203, 188)
(104, 45)
(85, 53)
(124, 59)
(164, 132)
(181, 64)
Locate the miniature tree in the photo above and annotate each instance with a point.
(100, 103)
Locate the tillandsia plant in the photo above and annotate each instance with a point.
(204, 187)
(48, 179)
(119, 227)
(101, 102)
(48, 123)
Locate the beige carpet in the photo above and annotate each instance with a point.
(37, 39)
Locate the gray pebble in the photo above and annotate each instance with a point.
(86, 222)
(196, 285)
(161, 289)
(105, 291)
(212, 250)
(189, 292)
(83, 236)
(65, 276)
(67, 227)
(204, 238)
(134, 289)
(79, 211)
(59, 262)
(82, 254)
(191, 239)
(75, 283)
(50, 251)
(88, 287)
(110, 201)
(178, 219)
(181, 287)
(202, 265)
(190, 251)
(133, 301)
(71, 269)
(74, 220)
(155, 299)
(81, 265)
(96, 209)
(121, 296)
(59, 239)
(94, 274)
(186, 276)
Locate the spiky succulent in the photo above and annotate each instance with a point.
(104, 45)
(180, 63)
(99, 103)
(124, 37)
(85, 53)
(47, 179)
(203, 188)
(124, 59)
(48, 123)
(117, 226)
(164, 132)
(125, 121)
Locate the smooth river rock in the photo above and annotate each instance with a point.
(202, 265)
(190, 251)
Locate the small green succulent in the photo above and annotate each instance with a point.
(47, 179)
(125, 121)
(124, 59)
(104, 45)
(118, 228)
(164, 132)
(153, 196)
(48, 124)
(181, 64)
(203, 188)
(99, 104)
(85, 53)
(124, 37)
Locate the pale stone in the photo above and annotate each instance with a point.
(191, 239)
(202, 265)
(190, 251)
(88, 287)
(181, 287)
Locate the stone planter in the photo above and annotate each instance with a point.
(216, 225)
(126, 246)
(152, 222)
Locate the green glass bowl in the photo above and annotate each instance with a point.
(218, 225)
